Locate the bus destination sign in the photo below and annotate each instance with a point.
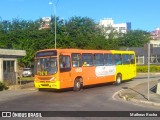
(46, 53)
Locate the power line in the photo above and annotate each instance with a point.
(57, 3)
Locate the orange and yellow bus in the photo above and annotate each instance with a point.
(65, 68)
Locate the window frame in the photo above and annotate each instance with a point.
(87, 60)
(64, 69)
(100, 60)
(133, 61)
(111, 62)
(8, 66)
(125, 60)
(115, 60)
(79, 61)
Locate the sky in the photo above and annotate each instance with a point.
(143, 14)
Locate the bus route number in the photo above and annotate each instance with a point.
(78, 69)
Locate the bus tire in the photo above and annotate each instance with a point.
(77, 85)
(118, 79)
(40, 89)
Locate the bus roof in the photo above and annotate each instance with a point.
(86, 51)
(122, 51)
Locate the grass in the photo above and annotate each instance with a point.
(27, 79)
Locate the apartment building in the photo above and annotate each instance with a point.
(120, 27)
(155, 37)
(45, 23)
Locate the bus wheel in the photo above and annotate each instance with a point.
(77, 85)
(41, 89)
(118, 79)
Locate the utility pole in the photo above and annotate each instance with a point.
(55, 22)
(148, 70)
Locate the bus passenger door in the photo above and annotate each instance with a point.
(133, 66)
(76, 71)
(65, 71)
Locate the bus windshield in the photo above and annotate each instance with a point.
(46, 66)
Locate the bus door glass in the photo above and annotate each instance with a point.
(133, 64)
(126, 66)
(65, 70)
(76, 65)
(65, 63)
(118, 63)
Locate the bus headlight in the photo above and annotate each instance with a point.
(53, 78)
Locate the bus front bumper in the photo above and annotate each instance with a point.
(54, 85)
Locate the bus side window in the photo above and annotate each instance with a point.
(108, 59)
(118, 59)
(132, 58)
(98, 59)
(125, 59)
(65, 63)
(76, 60)
(87, 59)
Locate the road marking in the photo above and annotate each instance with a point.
(115, 94)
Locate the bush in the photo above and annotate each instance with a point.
(144, 69)
(2, 86)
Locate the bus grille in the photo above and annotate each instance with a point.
(44, 78)
(44, 84)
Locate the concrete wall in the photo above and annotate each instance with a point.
(10, 55)
(1, 69)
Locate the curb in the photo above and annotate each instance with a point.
(126, 98)
(21, 87)
(144, 74)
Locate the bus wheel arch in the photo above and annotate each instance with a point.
(78, 83)
(118, 79)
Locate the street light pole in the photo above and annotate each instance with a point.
(55, 28)
(148, 70)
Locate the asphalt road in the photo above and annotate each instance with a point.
(99, 98)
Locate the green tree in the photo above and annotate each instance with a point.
(77, 32)
(111, 37)
(83, 33)
(4, 30)
(134, 38)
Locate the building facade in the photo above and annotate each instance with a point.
(142, 54)
(9, 65)
(120, 28)
(45, 23)
(155, 35)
